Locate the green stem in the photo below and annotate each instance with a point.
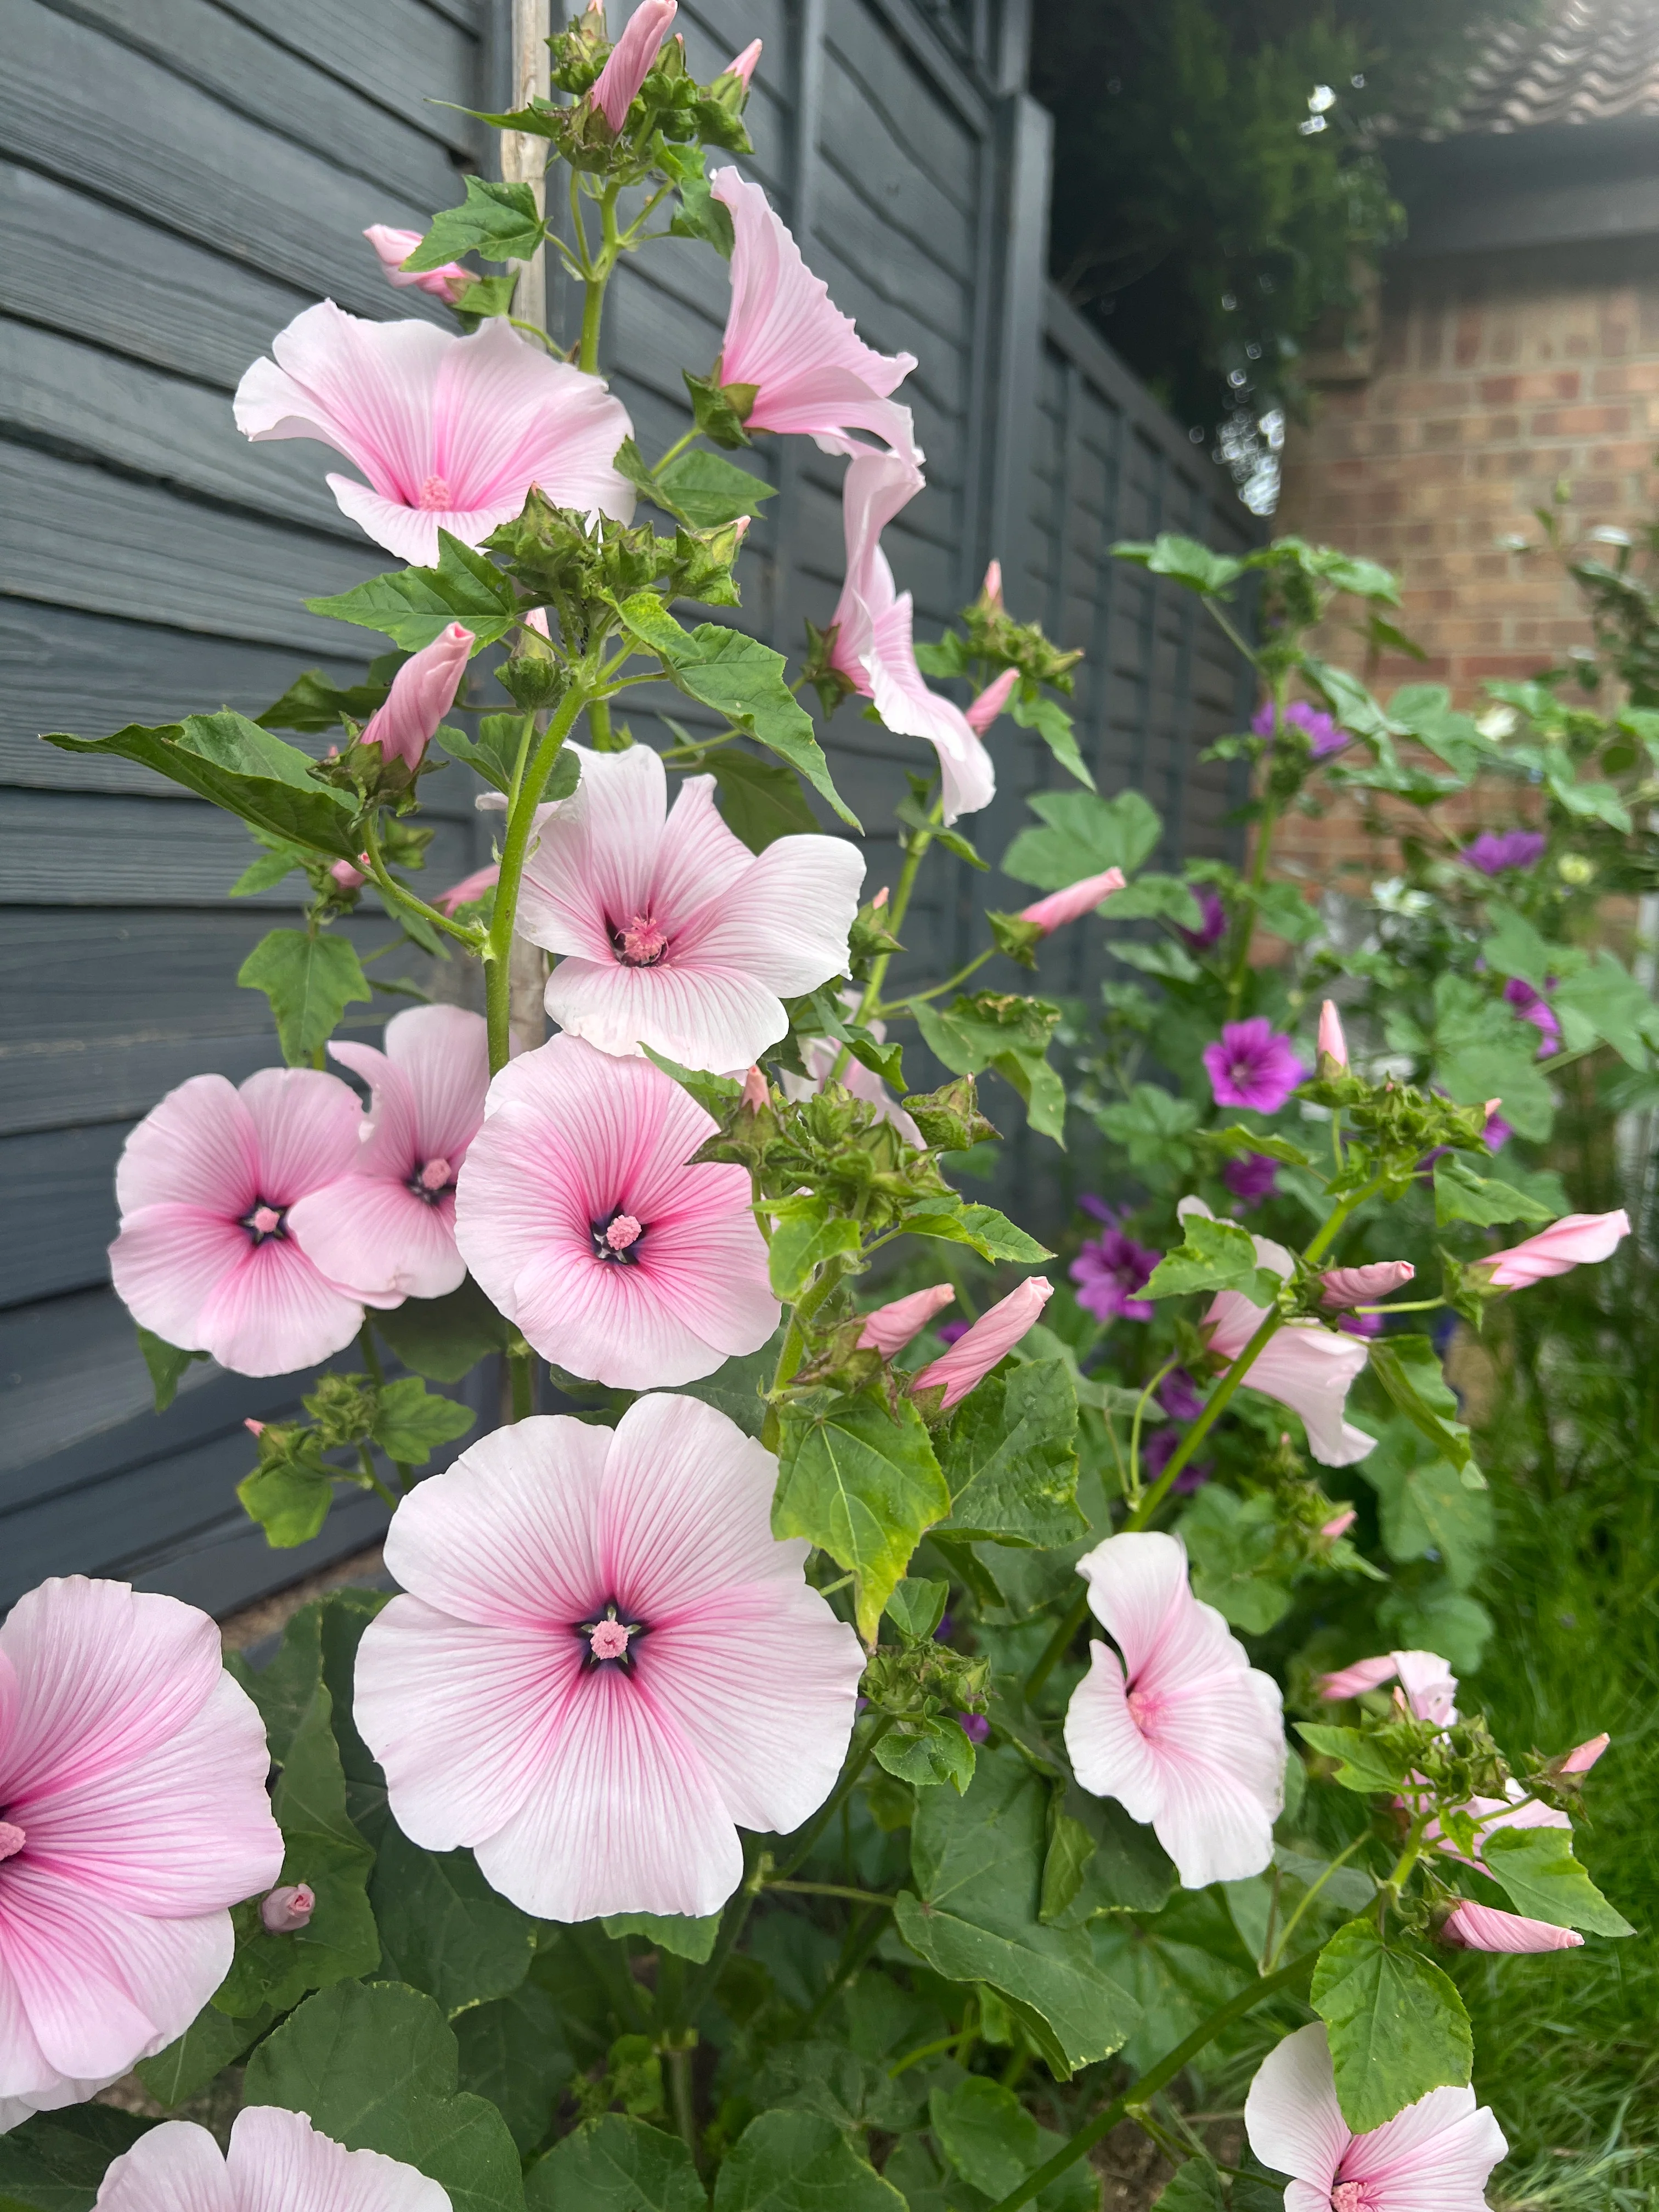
(370, 1351)
(1135, 1432)
(924, 2051)
(521, 1372)
(396, 895)
(1333, 1228)
(793, 1346)
(938, 990)
(1410, 1305)
(373, 1480)
(679, 2080)
(1056, 1649)
(915, 846)
(598, 724)
(521, 824)
(832, 1804)
(833, 1889)
(863, 1934)
(593, 286)
(677, 449)
(535, 331)
(1153, 2080)
(1258, 866)
(1341, 1858)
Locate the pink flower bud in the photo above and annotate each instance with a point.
(254, 1428)
(1574, 1240)
(755, 1093)
(469, 888)
(394, 248)
(423, 692)
(888, 1328)
(972, 1356)
(1362, 1286)
(981, 712)
(880, 898)
(1491, 1107)
(630, 60)
(289, 1908)
(1333, 1045)
(743, 66)
(1363, 1675)
(1339, 1524)
(991, 592)
(1581, 1760)
(1482, 1927)
(1076, 900)
(348, 877)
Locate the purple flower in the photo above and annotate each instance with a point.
(1537, 1011)
(1358, 1324)
(1213, 927)
(1108, 1271)
(1156, 1451)
(1178, 1395)
(1252, 1066)
(1323, 735)
(949, 1331)
(975, 1727)
(1497, 1132)
(1495, 850)
(1193, 1477)
(1251, 1179)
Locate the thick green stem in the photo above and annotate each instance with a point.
(366, 1458)
(897, 907)
(833, 1889)
(790, 1351)
(679, 2083)
(399, 898)
(520, 825)
(1271, 1322)
(1341, 1859)
(832, 1804)
(1154, 2079)
(521, 1373)
(594, 283)
(938, 990)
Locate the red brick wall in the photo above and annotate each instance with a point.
(1495, 378)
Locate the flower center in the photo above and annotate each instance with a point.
(432, 1180)
(11, 1839)
(266, 1221)
(642, 944)
(618, 1237)
(1351, 2196)
(609, 1640)
(436, 497)
(1144, 1706)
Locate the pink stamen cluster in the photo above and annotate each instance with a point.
(623, 1231)
(11, 1839)
(643, 942)
(609, 1639)
(437, 1174)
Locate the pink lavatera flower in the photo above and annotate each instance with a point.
(287, 1909)
(991, 1337)
(450, 432)
(1181, 1728)
(981, 712)
(389, 1226)
(1076, 900)
(1575, 1241)
(1428, 1687)
(873, 649)
(629, 63)
(580, 1217)
(606, 1663)
(1470, 1927)
(276, 2162)
(1435, 2156)
(133, 1815)
(811, 373)
(1364, 1286)
(890, 1328)
(423, 692)
(672, 933)
(394, 247)
(209, 1256)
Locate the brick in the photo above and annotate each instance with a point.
(1580, 422)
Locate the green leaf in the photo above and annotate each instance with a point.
(1408, 1368)
(1193, 2187)
(1213, 1255)
(1462, 1194)
(1397, 2025)
(805, 1236)
(312, 704)
(714, 1093)
(413, 1421)
(1427, 1508)
(977, 1863)
(916, 1608)
(1009, 1033)
(699, 215)
(987, 1232)
(1172, 962)
(1282, 908)
(928, 1752)
(795, 2161)
(1008, 1454)
(864, 1486)
(1155, 898)
(483, 298)
(310, 981)
(1435, 1617)
(500, 220)
(240, 767)
(1604, 1001)
(289, 1502)
(740, 679)
(1368, 1764)
(1100, 1861)
(708, 491)
(167, 1364)
(616, 2164)
(55, 2162)
(1183, 559)
(211, 2042)
(1232, 1541)
(1537, 1872)
(738, 1387)
(1083, 836)
(443, 1339)
(443, 1929)
(376, 2066)
(412, 605)
(1153, 1125)
(284, 1688)
(993, 2142)
(494, 754)
(760, 800)
(513, 2052)
(1033, 709)
(270, 868)
(1515, 948)
(687, 1938)
(1482, 1050)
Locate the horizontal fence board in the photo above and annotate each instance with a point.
(403, 55)
(57, 1191)
(946, 141)
(227, 1563)
(64, 1082)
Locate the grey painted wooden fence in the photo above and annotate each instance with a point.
(176, 182)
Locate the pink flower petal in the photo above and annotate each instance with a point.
(1354, 1682)
(1074, 902)
(394, 247)
(1303, 1366)
(697, 858)
(307, 1123)
(995, 1333)
(274, 1312)
(910, 709)
(785, 921)
(279, 2162)
(423, 692)
(371, 1237)
(199, 1147)
(176, 2167)
(167, 1263)
(1474, 1927)
(1109, 1753)
(1433, 2157)
(390, 1142)
(981, 712)
(890, 1328)
(1291, 2116)
(630, 61)
(1574, 1240)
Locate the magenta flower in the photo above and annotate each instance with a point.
(1576, 1240)
(390, 1227)
(1538, 1010)
(132, 1787)
(1213, 927)
(276, 2162)
(1252, 1179)
(673, 934)
(1111, 1270)
(952, 1332)
(872, 648)
(606, 1663)
(1364, 1286)
(1079, 898)
(1179, 1397)
(810, 371)
(1323, 735)
(289, 1909)
(1497, 1132)
(890, 1328)
(982, 711)
(423, 692)
(1494, 852)
(1435, 2156)
(1182, 1730)
(209, 1256)
(579, 1216)
(630, 61)
(972, 1356)
(1470, 1927)
(394, 248)
(1252, 1066)
(450, 432)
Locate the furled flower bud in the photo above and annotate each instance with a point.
(755, 1093)
(991, 590)
(394, 248)
(1339, 1524)
(469, 888)
(983, 711)
(890, 1328)
(1471, 1927)
(1362, 1286)
(1333, 1045)
(1572, 1241)
(423, 692)
(1076, 900)
(742, 66)
(973, 1356)
(288, 1909)
(630, 60)
(348, 877)
(1580, 1760)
